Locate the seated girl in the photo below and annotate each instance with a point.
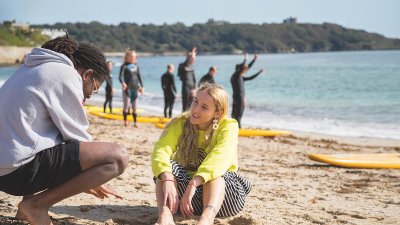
(195, 162)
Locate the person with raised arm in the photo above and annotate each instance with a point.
(238, 92)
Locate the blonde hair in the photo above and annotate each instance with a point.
(129, 52)
(187, 142)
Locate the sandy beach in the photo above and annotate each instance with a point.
(288, 188)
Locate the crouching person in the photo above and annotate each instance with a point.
(46, 153)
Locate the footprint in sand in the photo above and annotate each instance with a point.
(242, 220)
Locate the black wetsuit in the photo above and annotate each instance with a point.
(186, 74)
(168, 86)
(207, 78)
(237, 82)
(109, 87)
(130, 74)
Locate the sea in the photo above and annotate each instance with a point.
(350, 94)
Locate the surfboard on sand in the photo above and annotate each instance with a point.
(383, 161)
(116, 110)
(160, 122)
(250, 132)
(140, 119)
(117, 115)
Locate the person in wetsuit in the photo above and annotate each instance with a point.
(168, 86)
(109, 89)
(237, 81)
(132, 84)
(186, 74)
(209, 77)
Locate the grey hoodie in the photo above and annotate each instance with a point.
(40, 107)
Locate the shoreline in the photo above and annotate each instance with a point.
(305, 134)
(13, 55)
(362, 141)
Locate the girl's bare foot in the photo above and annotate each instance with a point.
(165, 218)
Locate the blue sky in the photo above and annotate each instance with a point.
(378, 16)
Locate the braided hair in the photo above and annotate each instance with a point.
(83, 55)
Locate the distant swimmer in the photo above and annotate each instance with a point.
(109, 88)
(237, 81)
(132, 84)
(187, 76)
(169, 89)
(209, 77)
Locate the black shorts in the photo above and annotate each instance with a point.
(49, 168)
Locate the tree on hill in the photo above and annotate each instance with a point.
(223, 37)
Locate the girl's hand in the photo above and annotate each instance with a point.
(186, 201)
(171, 197)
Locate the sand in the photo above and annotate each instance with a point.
(288, 188)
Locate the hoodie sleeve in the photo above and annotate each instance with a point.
(165, 147)
(64, 104)
(223, 155)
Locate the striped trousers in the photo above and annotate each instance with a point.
(236, 190)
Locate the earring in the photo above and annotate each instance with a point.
(215, 123)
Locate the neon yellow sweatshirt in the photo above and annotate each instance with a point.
(221, 153)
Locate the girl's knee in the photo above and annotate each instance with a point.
(216, 183)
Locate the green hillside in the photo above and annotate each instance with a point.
(213, 37)
(22, 38)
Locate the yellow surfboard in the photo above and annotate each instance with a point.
(140, 119)
(250, 132)
(265, 133)
(100, 109)
(383, 161)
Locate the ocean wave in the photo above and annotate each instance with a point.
(268, 120)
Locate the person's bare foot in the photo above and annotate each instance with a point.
(20, 216)
(165, 218)
(35, 215)
(135, 125)
(126, 123)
